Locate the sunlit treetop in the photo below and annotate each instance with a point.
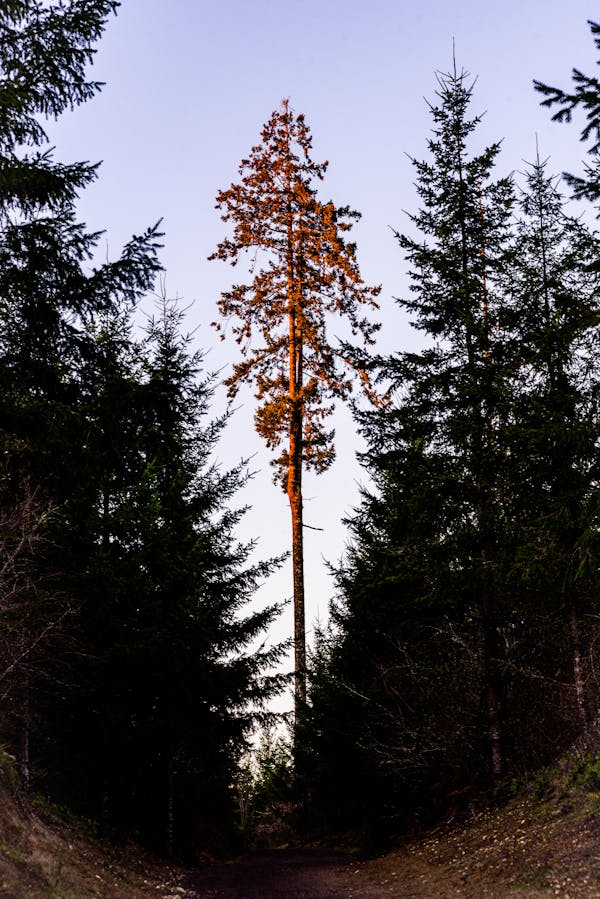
(302, 270)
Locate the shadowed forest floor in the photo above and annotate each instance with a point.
(521, 851)
(547, 844)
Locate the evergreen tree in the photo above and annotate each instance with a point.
(462, 595)
(45, 49)
(554, 437)
(137, 710)
(457, 390)
(170, 676)
(584, 95)
(45, 293)
(417, 647)
(309, 271)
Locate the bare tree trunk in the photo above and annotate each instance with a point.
(294, 475)
(578, 677)
(495, 729)
(169, 836)
(299, 614)
(494, 713)
(294, 492)
(493, 692)
(26, 735)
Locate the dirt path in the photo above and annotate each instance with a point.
(500, 857)
(319, 874)
(283, 874)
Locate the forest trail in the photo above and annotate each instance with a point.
(322, 874)
(309, 874)
(297, 873)
(525, 849)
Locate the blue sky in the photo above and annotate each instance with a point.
(189, 84)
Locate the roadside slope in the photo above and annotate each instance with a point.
(43, 857)
(545, 842)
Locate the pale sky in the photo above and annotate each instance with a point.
(189, 84)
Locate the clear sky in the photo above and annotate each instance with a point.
(189, 84)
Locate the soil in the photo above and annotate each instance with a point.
(275, 874)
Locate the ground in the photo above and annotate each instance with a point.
(544, 842)
(526, 849)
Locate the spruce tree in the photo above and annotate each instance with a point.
(585, 96)
(554, 432)
(46, 290)
(136, 711)
(456, 390)
(170, 675)
(45, 294)
(416, 656)
(45, 49)
(303, 271)
(467, 584)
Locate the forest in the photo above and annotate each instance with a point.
(137, 675)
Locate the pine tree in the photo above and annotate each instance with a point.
(45, 294)
(136, 713)
(472, 561)
(44, 51)
(45, 290)
(309, 271)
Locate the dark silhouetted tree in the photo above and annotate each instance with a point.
(584, 96)
(415, 660)
(140, 703)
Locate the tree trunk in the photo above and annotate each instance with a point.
(294, 475)
(25, 760)
(170, 822)
(578, 670)
(492, 683)
(294, 492)
(493, 702)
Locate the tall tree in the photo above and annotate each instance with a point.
(554, 431)
(463, 596)
(309, 271)
(140, 709)
(46, 292)
(457, 388)
(169, 674)
(418, 652)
